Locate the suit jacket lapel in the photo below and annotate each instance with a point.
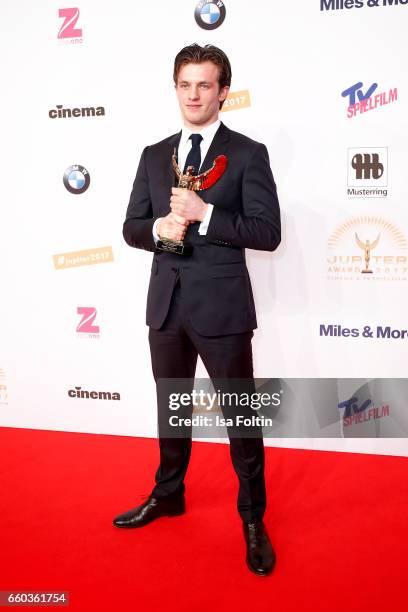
(217, 147)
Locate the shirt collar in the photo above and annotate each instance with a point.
(207, 132)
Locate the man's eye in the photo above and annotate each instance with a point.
(204, 85)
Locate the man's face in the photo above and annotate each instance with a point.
(198, 94)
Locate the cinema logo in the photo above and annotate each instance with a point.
(367, 248)
(367, 172)
(79, 393)
(69, 32)
(86, 327)
(3, 388)
(360, 101)
(88, 257)
(236, 100)
(356, 412)
(59, 112)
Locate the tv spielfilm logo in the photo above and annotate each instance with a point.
(367, 172)
(367, 248)
(86, 327)
(68, 32)
(210, 14)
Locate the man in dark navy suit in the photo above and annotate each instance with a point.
(203, 304)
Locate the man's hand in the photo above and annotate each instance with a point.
(172, 226)
(187, 204)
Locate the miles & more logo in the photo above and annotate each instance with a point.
(338, 5)
(360, 102)
(386, 332)
(69, 32)
(367, 172)
(367, 249)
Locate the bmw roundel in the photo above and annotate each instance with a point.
(76, 179)
(209, 14)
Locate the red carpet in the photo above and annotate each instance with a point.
(338, 523)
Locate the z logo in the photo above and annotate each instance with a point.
(68, 30)
(88, 317)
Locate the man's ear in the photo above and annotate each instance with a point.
(224, 91)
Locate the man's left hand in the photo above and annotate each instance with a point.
(187, 204)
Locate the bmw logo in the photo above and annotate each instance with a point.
(210, 14)
(76, 179)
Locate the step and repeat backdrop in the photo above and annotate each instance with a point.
(85, 87)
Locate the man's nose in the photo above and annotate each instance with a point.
(193, 94)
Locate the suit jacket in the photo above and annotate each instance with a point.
(216, 287)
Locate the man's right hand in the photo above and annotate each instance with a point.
(172, 226)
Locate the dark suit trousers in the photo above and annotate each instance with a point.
(174, 349)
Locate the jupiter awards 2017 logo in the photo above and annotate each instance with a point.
(367, 248)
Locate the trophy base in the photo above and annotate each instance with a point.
(177, 248)
(366, 271)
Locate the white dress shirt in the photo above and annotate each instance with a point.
(208, 133)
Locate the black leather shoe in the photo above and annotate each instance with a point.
(260, 556)
(151, 509)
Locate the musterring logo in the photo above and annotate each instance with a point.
(367, 172)
(59, 112)
(367, 164)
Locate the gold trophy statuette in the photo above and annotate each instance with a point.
(367, 248)
(198, 182)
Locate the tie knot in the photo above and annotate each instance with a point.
(196, 139)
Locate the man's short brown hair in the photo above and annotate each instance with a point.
(195, 54)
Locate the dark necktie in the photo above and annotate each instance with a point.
(194, 155)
